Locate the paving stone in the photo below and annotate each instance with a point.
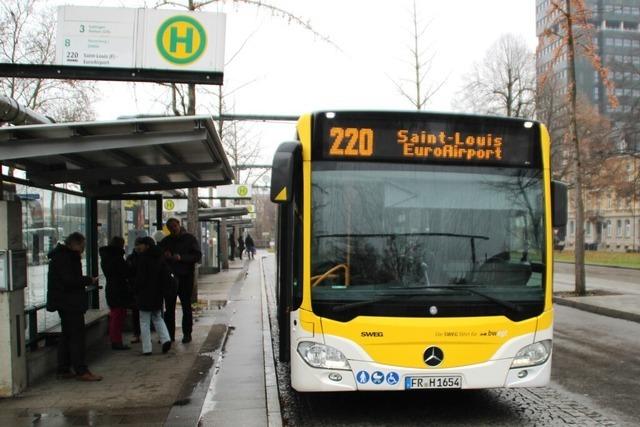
(136, 390)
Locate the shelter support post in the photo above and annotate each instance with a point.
(92, 248)
(224, 241)
(13, 364)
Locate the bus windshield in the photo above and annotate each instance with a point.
(398, 240)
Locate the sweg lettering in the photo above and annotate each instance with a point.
(371, 334)
(443, 146)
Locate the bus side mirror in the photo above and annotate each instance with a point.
(285, 161)
(558, 204)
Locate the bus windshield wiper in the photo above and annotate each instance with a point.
(468, 236)
(350, 305)
(503, 303)
(472, 238)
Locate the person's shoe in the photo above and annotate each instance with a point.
(66, 375)
(119, 346)
(166, 347)
(147, 354)
(88, 376)
(186, 339)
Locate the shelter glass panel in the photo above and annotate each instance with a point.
(47, 218)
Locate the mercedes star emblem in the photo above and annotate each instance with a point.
(433, 356)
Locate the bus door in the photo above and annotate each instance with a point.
(286, 191)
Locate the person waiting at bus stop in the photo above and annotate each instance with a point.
(240, 245)
(117, 291)
(182, 251)
(151, 278)
(66, 294)
(251, 246)
(232, 245)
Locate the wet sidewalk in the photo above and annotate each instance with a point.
(616, 291)
(244, 392)
(136, 390)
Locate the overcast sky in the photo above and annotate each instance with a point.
(284, 69)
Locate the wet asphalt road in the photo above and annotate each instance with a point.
(598, 357)
(595, 381)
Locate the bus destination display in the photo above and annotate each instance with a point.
(458, 139)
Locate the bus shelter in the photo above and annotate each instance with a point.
(209, 220)
(111, 175)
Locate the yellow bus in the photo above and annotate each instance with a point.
(414, 251)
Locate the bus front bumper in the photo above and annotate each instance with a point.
(370, 376)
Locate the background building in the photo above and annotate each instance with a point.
(612, 219)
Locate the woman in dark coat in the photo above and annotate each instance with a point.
(151, 280)
(115, 270)
(251, 246)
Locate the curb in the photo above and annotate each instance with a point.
(601, 265)
(610, 312)
(274, 414)
(192, 394)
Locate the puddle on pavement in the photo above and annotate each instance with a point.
(195, 386)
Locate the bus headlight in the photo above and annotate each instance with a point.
(322, 356)
(532, 355)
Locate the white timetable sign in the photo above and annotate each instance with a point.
(140, 39)
(92, 36)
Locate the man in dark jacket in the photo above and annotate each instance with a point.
(115, 270)
(66, 294)
(182, 252)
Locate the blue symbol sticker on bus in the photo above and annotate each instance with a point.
(393, 378)
(362, 377)
(377, 377)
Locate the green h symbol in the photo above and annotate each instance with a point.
(187, 40)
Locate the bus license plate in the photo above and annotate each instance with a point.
(429, 382)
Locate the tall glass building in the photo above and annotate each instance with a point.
(612, 213)
(616, 36)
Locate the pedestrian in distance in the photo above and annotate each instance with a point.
(152, 277)
(182, 252)
(66, 294)
(251, 246)
(240, 246)
(232, 246)
(117, 290)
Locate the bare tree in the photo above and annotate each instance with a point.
(274, 10)
(551, 109)
(183, 101)
(571, 31)
(418, 89)
(242, 148)
(504, 82)
(28, 36)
